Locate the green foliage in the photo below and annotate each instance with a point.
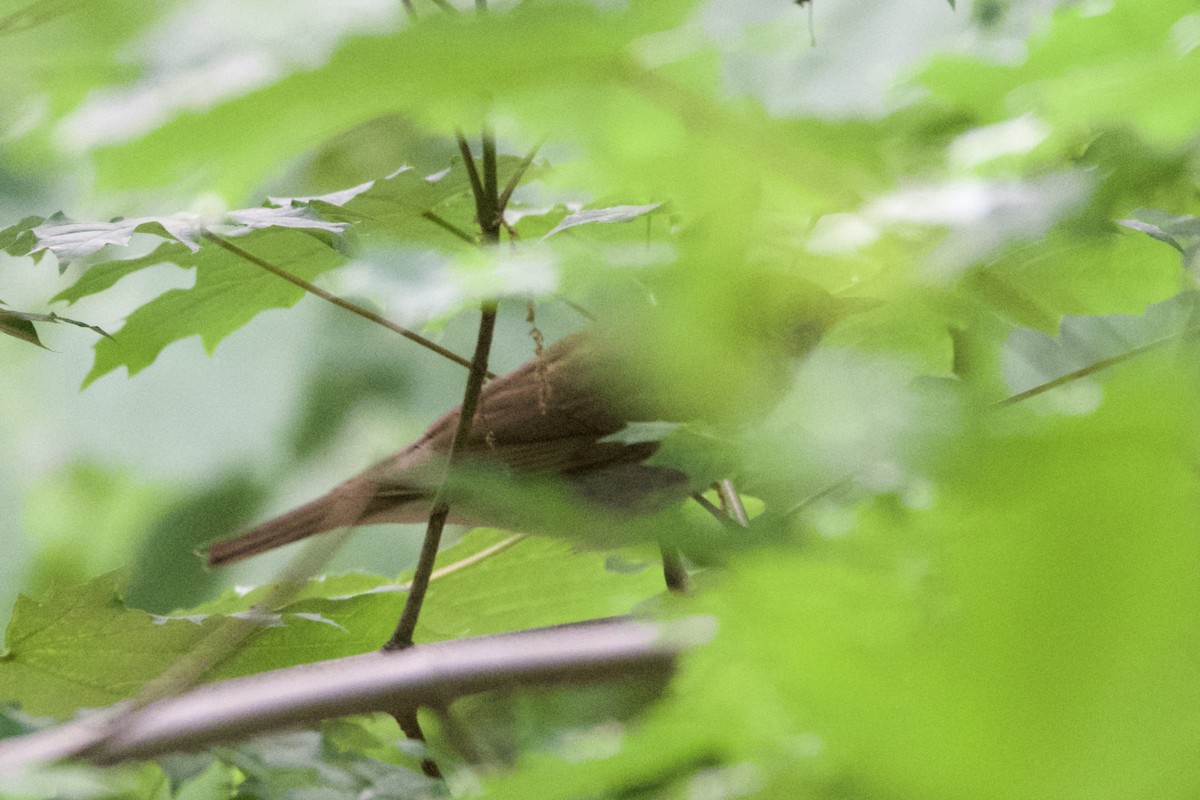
(331, 763)
(80, 647)
(971, 566)
(1129, 66)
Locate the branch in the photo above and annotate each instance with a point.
(1092, 368)
(464, 150)
(490, 179)
(489, 224)
(311, 288)
(607, 650)
(402, 636)
(450, 227)
(515, 180)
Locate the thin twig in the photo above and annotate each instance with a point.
(441, 222)
(482, 555)
(489, 223)
(515, 180)
(719, 515)
(490, 178)
(464, 149)
(402, 637)
(406, 718)
(1092, 368)
(311, 288)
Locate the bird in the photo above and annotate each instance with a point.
(555, 415)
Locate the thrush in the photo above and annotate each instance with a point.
(553, 416)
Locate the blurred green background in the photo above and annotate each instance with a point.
(947, 595)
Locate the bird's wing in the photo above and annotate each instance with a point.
(549, 415)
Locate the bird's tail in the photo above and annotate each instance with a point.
(341, 507)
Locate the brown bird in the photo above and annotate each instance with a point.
(550, 416)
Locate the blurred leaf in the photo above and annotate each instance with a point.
(613, 214)
(69, 241)
(110, 508)
(56, 52)
(1036, 284)
(310, 764)
(1126, 64)
(1181, 232)
(214, 783)
(232, 147)
(1009, 639)
(1032, 359)
(136, 781)
(168, 574)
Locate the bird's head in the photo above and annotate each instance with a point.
(727, 353)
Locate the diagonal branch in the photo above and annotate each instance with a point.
(610, 650)
(354, 308)
(515, 180)
(450, 227)
(1093, 368)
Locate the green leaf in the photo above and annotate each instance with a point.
(1130, 64)
(1033, 358)
(312, 763)
(500, 586)
(397, 209)
(612, 214)
(73, 240)
(229, 292)
(78, 648)
(1027, 631)
(1036, 284)
(19, 326)
(444, 58)
(534, 583)
(1181, 232)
